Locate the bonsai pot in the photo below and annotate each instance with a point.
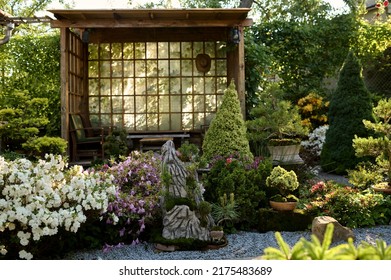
(283, 206)
(216, 235)
(382, 188)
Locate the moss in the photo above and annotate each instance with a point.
(172, 201)
(183, 244)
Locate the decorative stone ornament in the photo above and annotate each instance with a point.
(203, 62)
(181, 221)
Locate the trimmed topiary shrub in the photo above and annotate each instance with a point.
(349, 106)
(227, 132)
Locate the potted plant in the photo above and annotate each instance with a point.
(378, 146)
(224, 213)
(285, 183)
(277, 123)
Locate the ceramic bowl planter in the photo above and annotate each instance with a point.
(283, 206)
(382, 188)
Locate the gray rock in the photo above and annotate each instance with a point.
(181, 222)
(340, 232)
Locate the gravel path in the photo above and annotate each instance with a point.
(243, 245)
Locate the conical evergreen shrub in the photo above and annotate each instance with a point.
(349, 106)
(227, 131)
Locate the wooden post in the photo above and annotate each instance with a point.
(236, 70)
(64, 85)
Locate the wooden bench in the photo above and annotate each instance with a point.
(154, 141)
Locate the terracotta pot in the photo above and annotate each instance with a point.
(381, 190)
(283, 206)
(216, 235)
(286, 154)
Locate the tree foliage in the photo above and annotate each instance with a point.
(31, 63)
(350, 105)
(306, 45)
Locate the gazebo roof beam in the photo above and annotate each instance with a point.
(150, 18)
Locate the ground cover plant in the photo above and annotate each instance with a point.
(350, 206)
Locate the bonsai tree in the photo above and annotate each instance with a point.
(188, 152)
(349, 106)
(274, 120)
(380, 145)
(227, 132)
(284, 182)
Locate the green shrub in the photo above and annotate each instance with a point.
(282, 180)
(188, 152)
(225, 213)
(115, 144)
(39, 146)
(349, 106)
(246, 181)
(365, 175)
(272, 220)
(22, 118)
(227, 132)
(275, 119)
(378, 147)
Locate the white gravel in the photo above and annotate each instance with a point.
(243, 245)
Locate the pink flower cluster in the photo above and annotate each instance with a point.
(318, 187)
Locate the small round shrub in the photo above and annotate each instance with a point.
(39, 146)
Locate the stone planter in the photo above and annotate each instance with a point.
(286, 154)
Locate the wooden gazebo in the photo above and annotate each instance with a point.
(149, 71)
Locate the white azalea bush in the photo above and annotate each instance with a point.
(316, 140)
(38, 199)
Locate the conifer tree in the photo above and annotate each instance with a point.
(227, 132)
(349, 106)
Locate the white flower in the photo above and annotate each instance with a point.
(25, 255)
(3, 250)
(316, 139)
